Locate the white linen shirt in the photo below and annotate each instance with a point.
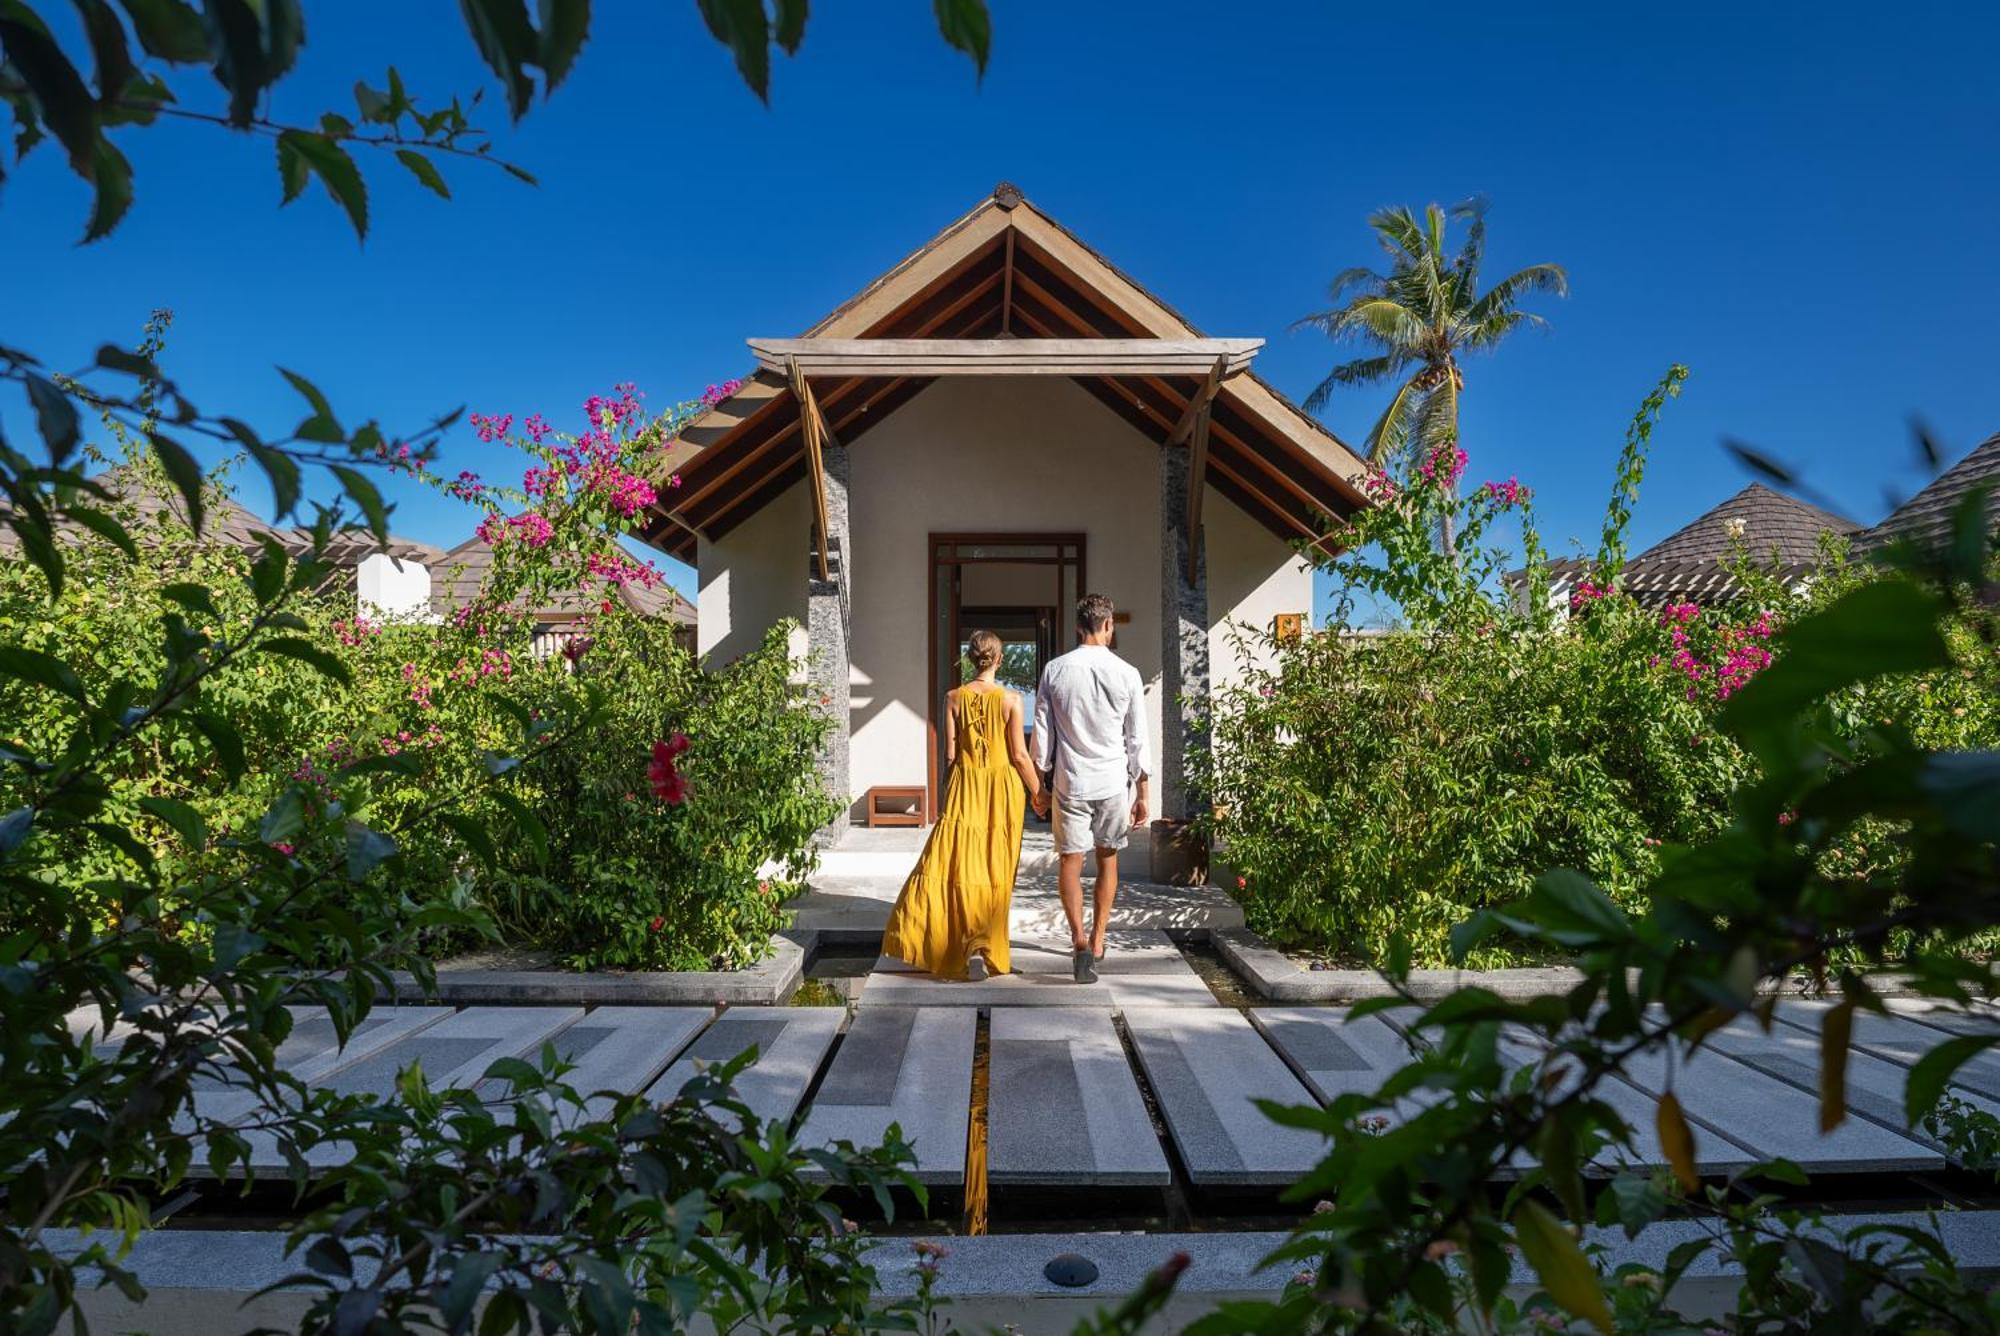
(1090, 724)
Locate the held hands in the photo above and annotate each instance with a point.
(1040, 802)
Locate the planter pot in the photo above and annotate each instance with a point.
(1179, 855)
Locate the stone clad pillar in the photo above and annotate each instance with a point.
(1184, 703)
(829, 633)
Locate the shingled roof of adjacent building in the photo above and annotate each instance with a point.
(1771, 526)
(1926, 517)
(460, 574)
(1779, 532)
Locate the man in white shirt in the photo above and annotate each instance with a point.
(1090, 747)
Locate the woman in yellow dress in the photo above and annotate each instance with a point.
(951, 919)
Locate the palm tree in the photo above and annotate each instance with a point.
(1421, 315)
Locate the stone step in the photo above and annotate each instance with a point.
(1141, 968)
(1337, 1056)
(616, 1051)
(910, 1066)
(1791, 1053)
(1063, 1106)
(1205, 1066)
(1776, 1120)
(859, 905)
(791, 1043)
(1904, 1038)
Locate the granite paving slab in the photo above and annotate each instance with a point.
(1141, 968)
(617, 1050)
(911, 1066)
(1336, 1056)
(791, 1044)
(1715, 1154)
(1205, 1066)
(1063, 1106)
(1771, 1118)
(313, 1049)
(1791, 1054)
(453, 1051)
(1906, 1037)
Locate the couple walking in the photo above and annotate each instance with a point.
(1088, 773)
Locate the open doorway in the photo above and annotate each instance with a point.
(1017, 586)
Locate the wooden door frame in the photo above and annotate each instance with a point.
(934, 693)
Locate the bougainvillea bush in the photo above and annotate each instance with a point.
(635, 844)
(1384, 783)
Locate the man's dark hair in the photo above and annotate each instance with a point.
(1094, 614)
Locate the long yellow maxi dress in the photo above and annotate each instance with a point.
(957, 898)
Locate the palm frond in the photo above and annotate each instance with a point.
(1393, 323)
(1498, 327)
(1399, 233)
(1391, 432)
(1473, 252)
(1437, 419)
(1502, 296)
(1351, 278)
(1360, 371)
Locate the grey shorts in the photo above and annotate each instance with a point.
(1084, 824)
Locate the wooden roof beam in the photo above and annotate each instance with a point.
(1004, 357)
(813, 427)
(1197, 474)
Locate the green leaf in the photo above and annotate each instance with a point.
(1571, 904)
(791, 26)
(293, 171)
(365, 496)
(526, 823)
(366, 850)
(501, 31)
(1933, 1072)
(1560, 1264)
(967, 26)
(335, 169)
(1964, 788)
(55, 416)
(742, 26)
(62, 96)
(111, 174)
(565, 27)
(283, 472)
(182, 819)
(31, 665)
(473, 835)
(293, 647)
(105, 527)
(285, 819)
(424, 170)
(113, 358)
(469, 1274)
(107, 48)
(182, 472)
(228, 743)
(168, 29)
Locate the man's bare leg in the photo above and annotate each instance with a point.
(1069, 882)
(1101, 898)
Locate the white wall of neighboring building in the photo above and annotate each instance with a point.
(392, 589)
(1001, 455)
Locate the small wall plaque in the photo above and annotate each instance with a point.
(1288, 628)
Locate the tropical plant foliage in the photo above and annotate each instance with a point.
(139, 49)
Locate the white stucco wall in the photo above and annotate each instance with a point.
(1005, 455)
(1253, 575)
(754, 577)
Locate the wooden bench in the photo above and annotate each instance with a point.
(895, 814)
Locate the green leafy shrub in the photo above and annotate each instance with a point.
(1376, 785)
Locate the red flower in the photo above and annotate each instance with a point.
(659, 922)
(668, 785)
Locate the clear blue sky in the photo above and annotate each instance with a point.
(1798, 201)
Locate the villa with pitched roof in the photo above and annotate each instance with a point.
(1000, 423)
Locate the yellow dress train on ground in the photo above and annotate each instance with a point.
(957, 898)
